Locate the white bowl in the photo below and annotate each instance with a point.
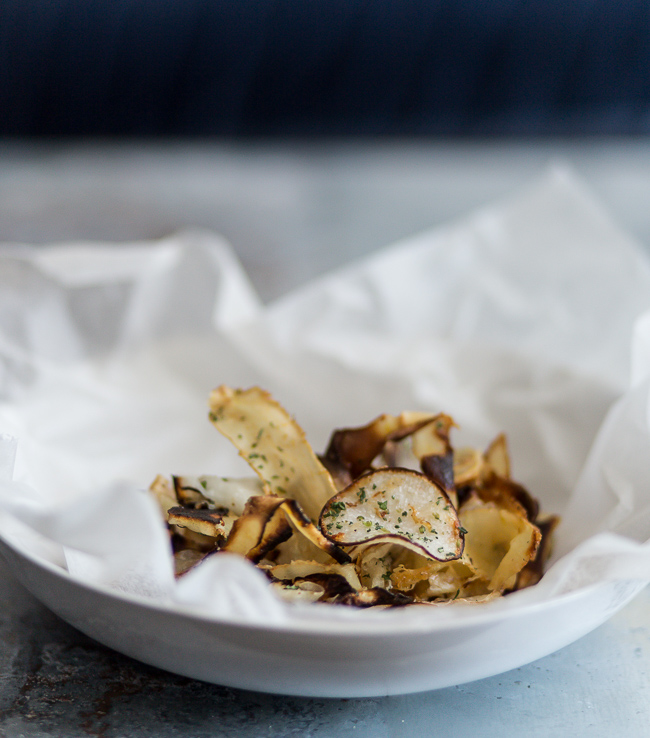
(360, 658)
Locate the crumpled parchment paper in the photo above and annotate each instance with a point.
(530, 316)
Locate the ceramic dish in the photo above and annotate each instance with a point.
(355, 659)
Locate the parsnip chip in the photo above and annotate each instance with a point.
(300, 591)
(499, 543)
(304, 569)
(395, 505)
(360, 525)
(534, 569)
(269, 520)
(354, 449)
(273, 444)
(203, 521)
(163, 492)
(469, 464)
(220, 492)
(336, 582)
(498, 458)
(259, 529)
(506, 494)
(305, 527)
(432, 438)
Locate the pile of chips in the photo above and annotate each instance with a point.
(389, 515)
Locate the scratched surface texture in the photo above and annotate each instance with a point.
(292, 213)
(57, 683)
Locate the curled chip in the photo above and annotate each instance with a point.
(269, 520)
(499, 543)
(395, 505)
(354, 449)
(274, 446)
(205, 522)
(391, 514)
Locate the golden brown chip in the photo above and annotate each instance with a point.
(499, 543)
(304, 569)
(498, 458)
(269, 520)
(460, 529)
(260, 528)
(354, 449)
(163, 492)
(469, 464)
(394, 505)
(274, 446)
(203, 521)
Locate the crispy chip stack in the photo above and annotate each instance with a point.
(390, 515)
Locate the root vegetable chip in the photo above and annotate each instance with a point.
(354, 449)
(391, 505)
(390, 515)
(269, 520)
(273, 444)
(220, 492)
(499, 543)
(203, 521)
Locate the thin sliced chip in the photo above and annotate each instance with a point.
(162, 489)
(468, 466)
(305, 527)
(354, 449)
(395, 505)
(206, 522)
(440, 470)
(273, 444)
(221, 492)
(269, 520)
(304, 569)
(374, 563)
(534, 569)
(260, 528)
(299, 548)
(499, 543)
(338, 583)
(432, 438)
(189, 495)
(376, 597)
(394, 566)
(497, 457)
(508, 495)
(300, 591)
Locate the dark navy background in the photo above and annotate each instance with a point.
(324, 67)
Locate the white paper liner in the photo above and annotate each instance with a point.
(527, 317)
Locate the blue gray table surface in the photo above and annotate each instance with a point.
(293, 212)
